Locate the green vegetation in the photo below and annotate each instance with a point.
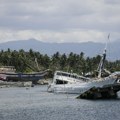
(25, 61)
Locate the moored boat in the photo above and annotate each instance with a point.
(13, 76)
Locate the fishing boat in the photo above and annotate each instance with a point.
(9, 74)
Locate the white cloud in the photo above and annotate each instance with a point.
(59, 20)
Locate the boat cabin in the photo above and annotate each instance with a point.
(61, 77)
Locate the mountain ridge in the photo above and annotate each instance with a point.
(90, 49)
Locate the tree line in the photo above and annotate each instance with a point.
(29, 61)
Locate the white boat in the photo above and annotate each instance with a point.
(64, 82)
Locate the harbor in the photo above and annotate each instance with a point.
(60, 60)
(35, 103)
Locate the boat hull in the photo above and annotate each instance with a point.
(23, 77)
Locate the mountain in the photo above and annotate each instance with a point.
(89, 48)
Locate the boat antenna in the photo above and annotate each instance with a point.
(107, 42)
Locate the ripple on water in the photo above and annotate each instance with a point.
(36, 104)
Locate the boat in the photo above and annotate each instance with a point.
(9, 74)
(65, 82)
(100, 87)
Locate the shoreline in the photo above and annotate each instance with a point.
(5, 84)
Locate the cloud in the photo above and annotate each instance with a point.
(112, 2)
(65, 20)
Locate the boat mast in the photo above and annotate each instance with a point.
(102, 61)
(101, 64)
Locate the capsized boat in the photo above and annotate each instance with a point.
(99, 87)
(64, 82)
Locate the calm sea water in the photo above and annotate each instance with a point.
(36, 104)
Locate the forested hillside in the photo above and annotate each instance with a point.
(26, 61)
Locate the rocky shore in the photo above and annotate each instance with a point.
(44, 81)
(4, 84)
(15, 84)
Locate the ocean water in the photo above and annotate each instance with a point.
(37, 104)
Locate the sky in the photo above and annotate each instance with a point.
(60, 20)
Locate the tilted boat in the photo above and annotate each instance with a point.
(65, 82)
(99, 87)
